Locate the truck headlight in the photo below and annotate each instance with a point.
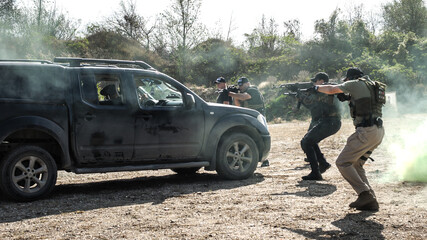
(262, 120)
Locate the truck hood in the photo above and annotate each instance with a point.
(231, 108)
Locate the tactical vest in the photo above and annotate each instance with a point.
(321, 106)
(256, 102)
(369, 108)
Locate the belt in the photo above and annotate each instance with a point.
(369, 123)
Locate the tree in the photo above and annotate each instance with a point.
(332, 49)
(160, 41)
(406, 16)
(293, 29)
(46, 20)
(130, 24)
(264, 40)
(360, 38)
(184, 32)
(182, 23)
(215, 58)
(36, 30)
(8, 12)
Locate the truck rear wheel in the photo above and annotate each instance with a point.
(27, 173)
(237, 157)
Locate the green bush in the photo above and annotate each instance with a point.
(285, 108)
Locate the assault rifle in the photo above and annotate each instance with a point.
(300, 90)
(230, 88)
(295, 89)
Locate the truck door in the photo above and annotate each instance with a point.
(104, 125)
(165, 127)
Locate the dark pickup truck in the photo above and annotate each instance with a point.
(96, 116)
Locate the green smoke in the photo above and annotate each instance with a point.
(411, 155)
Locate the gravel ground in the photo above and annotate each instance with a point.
(273, 204)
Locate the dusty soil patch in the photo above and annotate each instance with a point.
(273, 204)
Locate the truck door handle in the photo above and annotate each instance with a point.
(89, 116)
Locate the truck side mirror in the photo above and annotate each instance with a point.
(189, 101)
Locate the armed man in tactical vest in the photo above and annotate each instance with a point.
(249, 96)
(325, 121)
(366, 100)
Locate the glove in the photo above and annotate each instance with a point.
(343, 97)
(225, 91)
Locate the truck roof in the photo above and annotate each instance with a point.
(80, 62)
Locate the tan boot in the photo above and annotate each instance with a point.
(365, 199)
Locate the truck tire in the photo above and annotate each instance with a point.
(237, 157)
(27, 173)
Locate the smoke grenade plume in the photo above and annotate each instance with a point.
(410, 155)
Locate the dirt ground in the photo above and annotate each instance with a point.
(273, 204)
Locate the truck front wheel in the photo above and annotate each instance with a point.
(237, 157)
(27, 173)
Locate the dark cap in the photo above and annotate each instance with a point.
(242, 80)
(320, 76)
(354, 73)
(220, 80)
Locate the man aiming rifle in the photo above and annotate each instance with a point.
(325, 121)
(223, 90)
(248, 96)
(366, 98)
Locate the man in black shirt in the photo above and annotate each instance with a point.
(325, 121)
(223, 97)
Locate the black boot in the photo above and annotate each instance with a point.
(265, 163)
(314, 175)
(324, 166)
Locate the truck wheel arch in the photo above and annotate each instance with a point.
(18, 125)
(225, 127)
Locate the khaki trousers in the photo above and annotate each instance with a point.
(359, 145)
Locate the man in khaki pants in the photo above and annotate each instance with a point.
(366, 111)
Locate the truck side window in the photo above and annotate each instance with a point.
(88, 88)
(154, 92)
(102, 89)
